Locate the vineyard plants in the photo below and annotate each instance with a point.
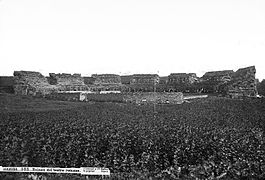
(212, 138)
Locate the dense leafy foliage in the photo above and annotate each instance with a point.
(212, 138)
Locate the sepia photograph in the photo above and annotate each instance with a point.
(132, 90)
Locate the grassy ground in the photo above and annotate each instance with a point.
(16, 103)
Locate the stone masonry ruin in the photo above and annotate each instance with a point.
(107, 79)
(243, 83)
(68, 82)
(217, 75)
(32, 83)
(234, 84)
(182, 78)
(107, 82)
(181, 82)
(215, 81)
(143, 82)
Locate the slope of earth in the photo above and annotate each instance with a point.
(211, 138)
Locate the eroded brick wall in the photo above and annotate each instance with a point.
(239, 83)
(32, 83)
(68, 82)
(182, 78)
(243, 82)
(144, 79)
(67, 79)
(106, 79)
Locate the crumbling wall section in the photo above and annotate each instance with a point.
(243, 83)
(140, 79)
(234, 84)
(215, 81)
(182, 78)
(106, 79)
(89, 80)
(67, 79)
(126, 79)
(68, 82)
(32, 83)
(107, 82)
(143, 82)
(217, 75)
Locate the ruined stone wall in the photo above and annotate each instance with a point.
(144, 79)
(126, 79)
(217, 75)
(67, 79)
(182, 78)
(181, 82)
(239, 83)
(163, 80)
(106, 79)
(109, 87)
(141, 87)
(192, 78)
(243, 82)
(214, 81)
(107, 82)
(68, 82)
(235, 84)
(89, 80)
(31, 83)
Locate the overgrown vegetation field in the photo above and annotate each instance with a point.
(212, 138)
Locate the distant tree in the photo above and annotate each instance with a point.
(261, 87)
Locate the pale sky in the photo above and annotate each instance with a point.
(131, 36)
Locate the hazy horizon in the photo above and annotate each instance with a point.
(131, 37)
